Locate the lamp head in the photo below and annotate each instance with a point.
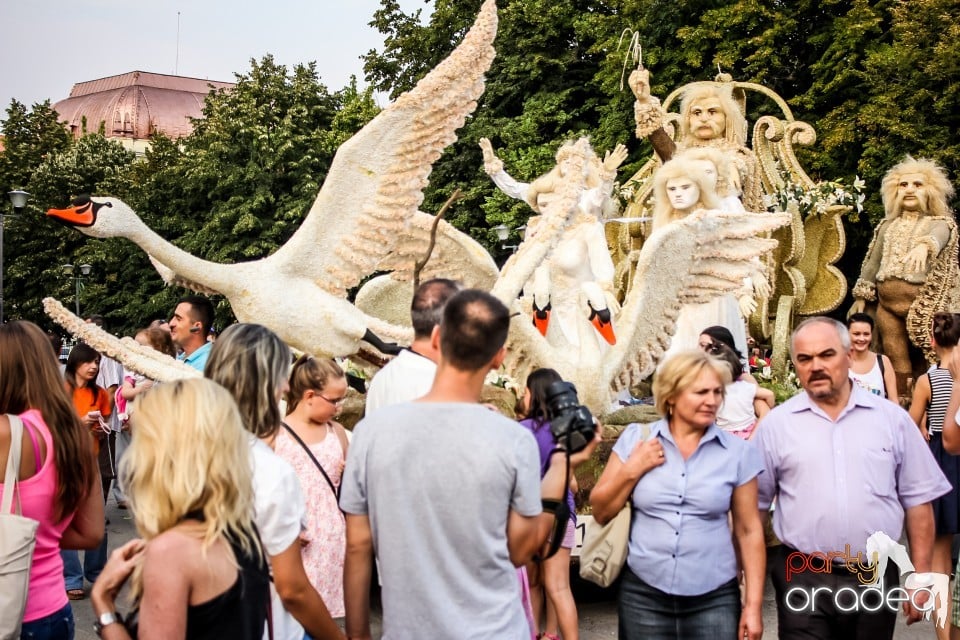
(18, 198)
(502, 231)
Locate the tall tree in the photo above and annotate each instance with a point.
(36, 247)
(29, 137)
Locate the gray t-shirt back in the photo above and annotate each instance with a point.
(437, 482)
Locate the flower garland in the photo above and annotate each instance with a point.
(818, 199)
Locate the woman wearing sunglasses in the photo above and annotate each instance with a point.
(252, 363)
(745, 401)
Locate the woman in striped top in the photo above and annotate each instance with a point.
(931, 396)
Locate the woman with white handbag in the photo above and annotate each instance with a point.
(681, 578)
(57, 485)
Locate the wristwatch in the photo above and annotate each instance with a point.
(107, 618)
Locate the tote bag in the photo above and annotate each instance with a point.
(604, 550)
(17, 538)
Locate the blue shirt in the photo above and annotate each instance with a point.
(197, 359)
(839, 481)
(680, 541)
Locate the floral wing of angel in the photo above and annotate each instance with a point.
(690, 261)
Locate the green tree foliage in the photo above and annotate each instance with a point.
(30, 137)
(36, 246)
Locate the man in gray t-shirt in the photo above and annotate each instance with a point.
(448, 493)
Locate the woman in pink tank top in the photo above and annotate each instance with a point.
(58, 481)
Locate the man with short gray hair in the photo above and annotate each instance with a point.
(843, 464)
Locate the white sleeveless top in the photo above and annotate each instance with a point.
(872, 380)
(737, 412)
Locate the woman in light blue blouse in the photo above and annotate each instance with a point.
(681, 579)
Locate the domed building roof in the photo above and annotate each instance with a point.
(137, 104)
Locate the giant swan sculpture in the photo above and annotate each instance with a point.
(692, 260)
(366, 207)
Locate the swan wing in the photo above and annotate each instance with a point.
(128, 352)
(376, 181)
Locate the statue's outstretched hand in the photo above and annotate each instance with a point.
(761, 286)
(491, 163)
(639, 82)
(613, 159)
(859, 306)
(747, 305)
(916, 260)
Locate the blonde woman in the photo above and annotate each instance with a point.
(252, 363)
(315, 445)
(198, 571)
(681, 480)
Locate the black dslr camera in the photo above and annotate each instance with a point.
(571, 423)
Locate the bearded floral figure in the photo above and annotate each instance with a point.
(709, 117)
(910, 270)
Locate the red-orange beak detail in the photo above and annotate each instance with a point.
(541, 318)
(76, 216)
(601, 322)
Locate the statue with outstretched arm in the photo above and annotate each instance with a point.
(577, 277)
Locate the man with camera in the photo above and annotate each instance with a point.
(448, 493)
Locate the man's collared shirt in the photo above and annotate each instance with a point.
(838, 482)
(407, 377)
(197, 359)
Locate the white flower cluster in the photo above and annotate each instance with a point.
(499, 378)
(819, 199)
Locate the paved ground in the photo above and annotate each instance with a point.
(597, 609)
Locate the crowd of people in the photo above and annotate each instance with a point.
(255, 524)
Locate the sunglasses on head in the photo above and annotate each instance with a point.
(714, 348)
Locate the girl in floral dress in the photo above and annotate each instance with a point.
(318, 388)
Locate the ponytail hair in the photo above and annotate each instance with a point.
(946, 329)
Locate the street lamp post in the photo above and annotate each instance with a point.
(19, 200)
(84, 271)
(503, 233)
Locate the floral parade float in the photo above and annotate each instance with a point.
(765, 175)
(365, 221)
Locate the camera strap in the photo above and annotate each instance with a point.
(561, 514)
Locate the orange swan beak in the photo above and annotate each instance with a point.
(76, 215)
(601, 322)
(541, 318)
